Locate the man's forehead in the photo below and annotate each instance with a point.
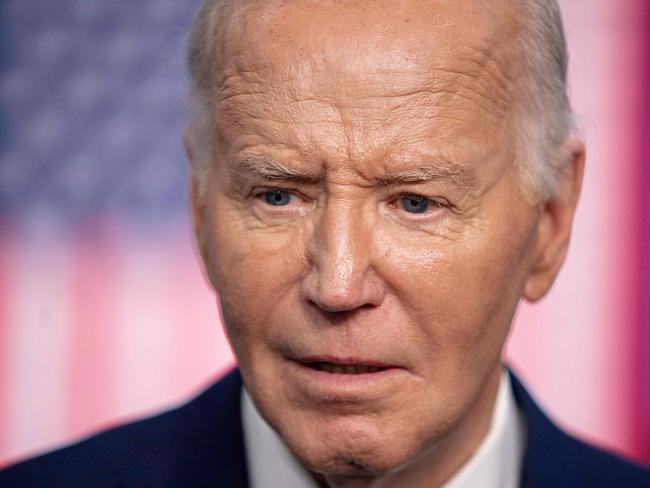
(374, 57)
(349, 81)
(398, 36)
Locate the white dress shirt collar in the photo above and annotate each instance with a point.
(495, 464)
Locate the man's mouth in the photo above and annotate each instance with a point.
(340, 365)
(344, 368)
(328, 378)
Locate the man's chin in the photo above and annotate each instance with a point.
(350, 457)
(349, 465)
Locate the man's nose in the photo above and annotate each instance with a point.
(342, 276)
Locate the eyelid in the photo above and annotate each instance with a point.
(258, 191)
(438, 202)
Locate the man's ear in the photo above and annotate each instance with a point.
(554, 224)
(197, 203)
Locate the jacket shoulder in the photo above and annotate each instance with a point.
(554, 458)
(198, 444)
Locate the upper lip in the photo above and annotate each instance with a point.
(344, 361)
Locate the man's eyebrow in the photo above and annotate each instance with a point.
(460, 175)
(270, 169)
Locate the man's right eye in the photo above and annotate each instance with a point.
(277, 198)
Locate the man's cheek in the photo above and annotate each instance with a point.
(254, 278)
(453, 299)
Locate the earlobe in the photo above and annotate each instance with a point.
(554, 224)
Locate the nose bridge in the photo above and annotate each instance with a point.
(341, 259)
(341, 254)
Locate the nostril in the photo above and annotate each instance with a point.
(339, 316)
(332, 308)
(342, 305)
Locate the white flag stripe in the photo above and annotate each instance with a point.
(38, 329)
(147, 328)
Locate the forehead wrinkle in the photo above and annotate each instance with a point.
(491, 77)
(254, 58)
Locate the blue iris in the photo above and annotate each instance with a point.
(414, 204)
(277, 197)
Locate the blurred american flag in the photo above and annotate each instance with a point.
(104, 314)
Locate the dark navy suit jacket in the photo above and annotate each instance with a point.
(201, 444)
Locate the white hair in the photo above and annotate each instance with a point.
(543, 115)
(202, 66)
(544, 119)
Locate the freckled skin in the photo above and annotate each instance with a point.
(356, 91)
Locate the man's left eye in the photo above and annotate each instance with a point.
(414, 204)
(277, 198)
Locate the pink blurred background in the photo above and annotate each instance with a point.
(104, 313)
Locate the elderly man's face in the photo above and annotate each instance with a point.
(364, 225)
